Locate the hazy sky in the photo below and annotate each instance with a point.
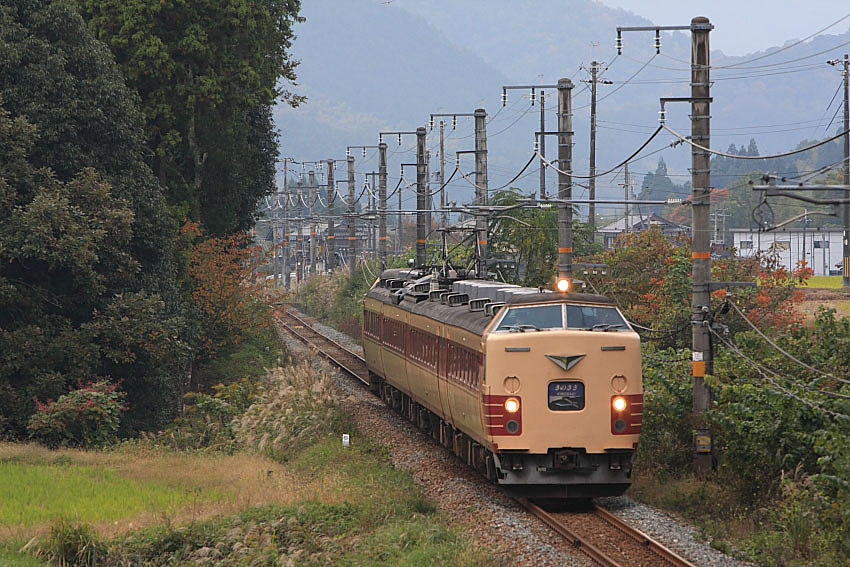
(744, 26)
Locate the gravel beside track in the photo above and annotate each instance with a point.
(482, 511)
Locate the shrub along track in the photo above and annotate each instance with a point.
(600, 535)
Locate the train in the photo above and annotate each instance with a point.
(540, 390)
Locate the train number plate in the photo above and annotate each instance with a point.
(566, 396)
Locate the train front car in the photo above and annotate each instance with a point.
(562, 395)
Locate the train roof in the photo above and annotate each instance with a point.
(468, 304)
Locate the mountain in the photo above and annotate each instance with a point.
(369, 66)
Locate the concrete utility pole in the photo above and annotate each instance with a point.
(299, 250)
(329, 246)
(312, 202)
(421, 196)
(382, 205)
(444, 219)
(594, 80)
(542, 146)
(429, 200)
(481, 221)
(352, 234)
(701, 232)
(565, 181)
(591, 210)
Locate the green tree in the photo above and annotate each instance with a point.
(528, 238)
(87, 242)
(208, 73)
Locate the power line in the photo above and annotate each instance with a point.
(785, 48)
(774, 156)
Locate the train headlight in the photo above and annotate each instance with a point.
(562, 285)
(512, 405)
(618, 403)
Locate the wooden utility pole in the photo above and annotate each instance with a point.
(382, 205)
(481, 221)
(565, 181)
(542, 146)
(352, 234)
(421, 196)
(311, 195)
(329, 245)
(701, 233)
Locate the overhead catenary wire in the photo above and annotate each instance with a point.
(517, 176)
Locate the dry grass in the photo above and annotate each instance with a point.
(809, 308)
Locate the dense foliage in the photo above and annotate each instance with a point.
(96, 283)
(208, 74)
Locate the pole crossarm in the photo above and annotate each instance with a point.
(506, 88)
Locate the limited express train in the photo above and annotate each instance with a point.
(539, 390)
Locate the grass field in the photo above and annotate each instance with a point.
(829, 282)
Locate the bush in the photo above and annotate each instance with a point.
(295, 407)
(88, 416)
(70, 545)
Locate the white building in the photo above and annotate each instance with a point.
(821, 248)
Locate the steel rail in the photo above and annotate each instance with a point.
(578, 542)
(302, 324)
(640, 537)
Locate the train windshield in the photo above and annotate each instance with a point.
(594, 318)
(534, 318)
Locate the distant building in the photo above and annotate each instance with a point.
(821, 248)
(639, 223)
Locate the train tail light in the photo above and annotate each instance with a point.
(619, 403)
(562, 285)
(512, 405)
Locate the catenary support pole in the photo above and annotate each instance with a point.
(352, 233)
(701, 232)
(542, 146)
(421, 196)
(481, 221)
(311, 195)
(444, 219)
(330, 244)
(299, 249)
(565, 182)
(287, 237)
(382, 205)
(429, 200)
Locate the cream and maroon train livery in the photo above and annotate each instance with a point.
(539, 390)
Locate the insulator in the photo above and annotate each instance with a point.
(619, 44)
(536, 145)
(532, 96)
(364, 152)
(431, 122)
(504, 97)
(657, 41)
(401, 174)
(399, 139)
(457, 161)
(347, 152)
(662, 116)
(454, 122)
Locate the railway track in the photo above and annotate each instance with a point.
(596, 532)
